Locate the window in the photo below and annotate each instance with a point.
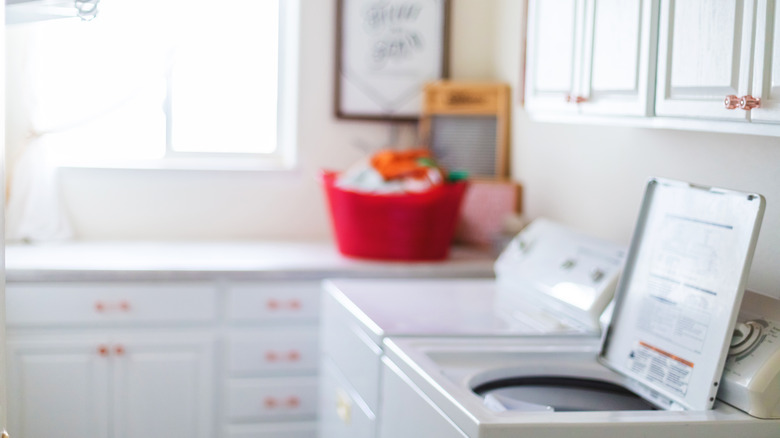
(178, 82)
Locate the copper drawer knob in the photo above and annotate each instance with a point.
(102, 350)
(119, 350)
(293, 402)
(731, 102)
(749, 102)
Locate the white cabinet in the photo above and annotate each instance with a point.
(704, 55)
(592, 57)
(88, 386)
(57, 386)
(271, 353)
(111, 360)
(719, 60)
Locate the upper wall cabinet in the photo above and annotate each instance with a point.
(591, 57)
(718, 60)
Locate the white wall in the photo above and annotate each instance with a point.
(139, 204)
(589, 177)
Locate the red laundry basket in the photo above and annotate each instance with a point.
(413, 226)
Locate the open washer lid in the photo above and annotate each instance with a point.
(677, 301)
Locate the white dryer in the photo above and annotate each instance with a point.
(551, 281)
(657, 369)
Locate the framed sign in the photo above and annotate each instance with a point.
(387, 50)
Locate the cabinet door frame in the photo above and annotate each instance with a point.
(640, 102)
(767, 46)
(86, 347)
(197, 346)
(554, 100)
(695, 106)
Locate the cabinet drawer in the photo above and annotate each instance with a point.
(269, 399)
(252, 352)
(274, 430)
(273, 301)
(107, 303)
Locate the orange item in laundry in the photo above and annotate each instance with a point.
(412, 163)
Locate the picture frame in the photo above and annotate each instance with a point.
(386, 51)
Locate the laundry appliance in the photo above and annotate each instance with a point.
(550, 282)
(658, 369)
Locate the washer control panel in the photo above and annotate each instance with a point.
(751, 377)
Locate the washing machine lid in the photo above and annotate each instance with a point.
(678, 297)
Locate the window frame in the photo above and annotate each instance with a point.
(285, 155)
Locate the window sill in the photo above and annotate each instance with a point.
(229, 164)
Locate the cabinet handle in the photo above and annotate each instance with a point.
(100, 306)
(295, 304)
(749, 102)
(271, 356)
(293, 401)
(731, 102)
(272, 304)
(102, 350)
(270, 403)
(119, 350)
(293, 356)
(124, 305)
(575, 99)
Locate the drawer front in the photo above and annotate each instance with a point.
(275, 399)
(273, 301)
(253, 352)
(108, 303)
(274, 430)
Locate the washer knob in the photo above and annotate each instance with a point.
(746, 335)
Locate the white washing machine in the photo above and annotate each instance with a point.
(657, 369)
(551, 281)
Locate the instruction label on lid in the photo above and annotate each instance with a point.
(662, 367)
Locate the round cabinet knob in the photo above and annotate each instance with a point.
(270, 403)
(749, 102)
(102, 350)
(119, 350)
(580, 99)
(293, 402)
(731, 102)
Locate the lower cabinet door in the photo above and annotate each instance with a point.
(58, 387)
(163, 386)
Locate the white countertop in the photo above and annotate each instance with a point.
(240, 260)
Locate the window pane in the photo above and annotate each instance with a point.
(224, 76)
(94, 92)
